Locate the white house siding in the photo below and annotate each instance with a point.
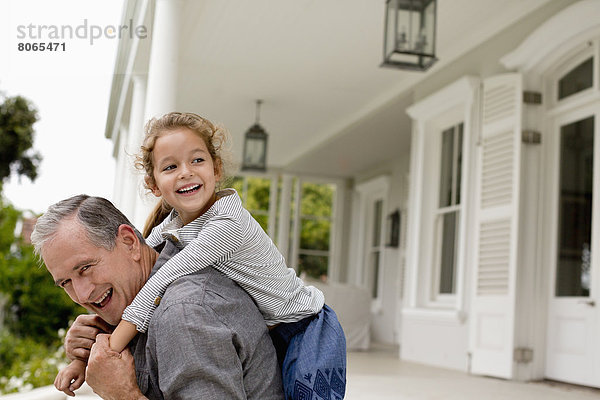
(451, 336)
(386, 318)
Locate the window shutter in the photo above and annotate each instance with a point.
(499, 160)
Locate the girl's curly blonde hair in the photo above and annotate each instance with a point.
(215, 137)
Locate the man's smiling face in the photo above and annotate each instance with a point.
(103, 281)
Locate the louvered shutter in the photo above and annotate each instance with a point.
(499, 156)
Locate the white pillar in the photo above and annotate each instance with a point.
(132, 203)
(161, 89)
(120, 166)
(164, 58)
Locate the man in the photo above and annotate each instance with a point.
(206, 339)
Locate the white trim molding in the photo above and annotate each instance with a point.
(452, 104)
(441, 101)
(367, 193)
(574, 22)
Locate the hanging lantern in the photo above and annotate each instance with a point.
(409, 37)
(255, 146)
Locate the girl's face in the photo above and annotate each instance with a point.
(184, 173)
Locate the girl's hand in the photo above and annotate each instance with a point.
(82, 334)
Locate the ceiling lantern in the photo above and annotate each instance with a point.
(409, 37)
(255, 146)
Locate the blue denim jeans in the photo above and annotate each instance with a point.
(312, 356)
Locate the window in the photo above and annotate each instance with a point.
(577, 79)
(448, 211)
(375, 249)
(438, 238)
(313, 228)
(371, 212)
(575, 208)
(255, 193)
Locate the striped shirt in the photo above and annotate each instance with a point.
(229, 239)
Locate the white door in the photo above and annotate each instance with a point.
(573, 341)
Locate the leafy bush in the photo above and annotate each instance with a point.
(34, 310)
(26, 363)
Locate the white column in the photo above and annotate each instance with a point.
(161, 88)
(164, 58)
(283, 230)
(133, 206)
(120, 166)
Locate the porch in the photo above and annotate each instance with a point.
(380, 374)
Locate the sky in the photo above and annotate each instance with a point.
(69, 87)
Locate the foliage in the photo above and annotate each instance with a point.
(37, 307)
(26, 363)
(34, 308)
(316, 210)
(17, 116)
(255, 197)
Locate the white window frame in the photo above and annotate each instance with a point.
(335, 237)
(431, 219)
(273, 195)
(368, 193)
(438, 213)
(553, 76)
(456, 103)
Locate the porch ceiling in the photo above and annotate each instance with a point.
(328, 107)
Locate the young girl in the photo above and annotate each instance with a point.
(181, 157)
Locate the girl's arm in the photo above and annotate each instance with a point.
(218, 240)
(122, 335)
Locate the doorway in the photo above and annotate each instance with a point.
(573, 350)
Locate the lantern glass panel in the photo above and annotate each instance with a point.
(391, 21)
(413, 26)
(254, 154)
(429, 27)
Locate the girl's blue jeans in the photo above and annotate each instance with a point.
(312, 356)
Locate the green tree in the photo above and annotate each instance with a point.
(17, 116)
(36, 312)
(35, 307)
(315, 213)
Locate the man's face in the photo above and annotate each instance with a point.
(102, 281)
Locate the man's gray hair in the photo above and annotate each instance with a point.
(98, 216)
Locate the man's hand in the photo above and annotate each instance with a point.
(82, 335)
(110, 374)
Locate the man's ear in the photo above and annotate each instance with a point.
(126, 236)
(152, 186)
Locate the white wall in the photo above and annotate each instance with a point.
(385, 324)
(441, 336)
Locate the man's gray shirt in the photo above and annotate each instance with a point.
(206, 340)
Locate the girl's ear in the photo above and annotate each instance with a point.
(152, 186)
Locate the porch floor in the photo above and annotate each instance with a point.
(380, 374)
